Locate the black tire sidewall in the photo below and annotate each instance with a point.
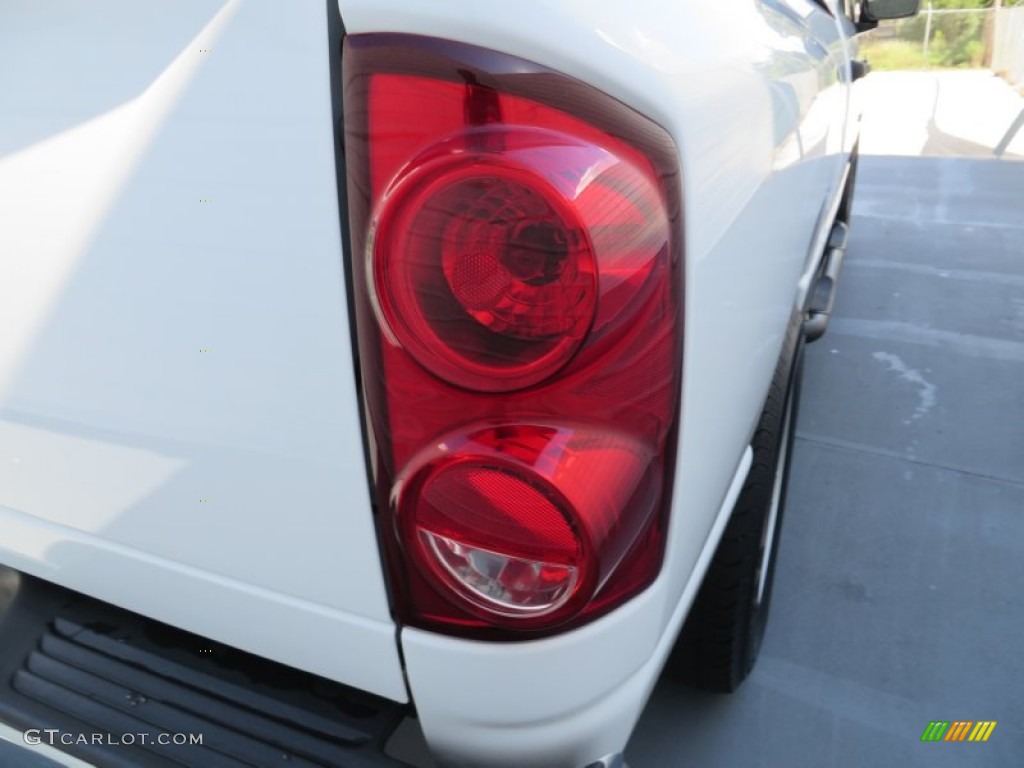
(760, 611)
(723, 633)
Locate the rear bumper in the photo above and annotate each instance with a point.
(117, 691)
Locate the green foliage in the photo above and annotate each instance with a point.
(957, 39)
(956, 4)
(893, 54)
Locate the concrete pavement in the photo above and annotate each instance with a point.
(960, 113)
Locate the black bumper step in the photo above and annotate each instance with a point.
(823, 290)
(125, 686)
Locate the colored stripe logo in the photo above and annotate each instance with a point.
(958, 730)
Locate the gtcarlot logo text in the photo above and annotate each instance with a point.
(55, 737)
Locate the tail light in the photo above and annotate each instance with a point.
(517, 283)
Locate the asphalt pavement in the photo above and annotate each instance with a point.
(898, 597)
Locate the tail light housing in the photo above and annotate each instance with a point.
(517, 281)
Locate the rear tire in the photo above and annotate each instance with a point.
(722, 636)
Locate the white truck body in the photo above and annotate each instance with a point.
(179, 421)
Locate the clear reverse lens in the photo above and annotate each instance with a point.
(501, 583)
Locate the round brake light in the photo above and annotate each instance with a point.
(522, 523)
(485, 518)
(503, 544)
(484, 270)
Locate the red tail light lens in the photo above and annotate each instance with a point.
(484, 270)
(508, 546)
(526, 522)
(517, 282)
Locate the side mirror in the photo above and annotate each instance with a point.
(874, 11)
(877, 10)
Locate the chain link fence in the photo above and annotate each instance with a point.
(951, 39)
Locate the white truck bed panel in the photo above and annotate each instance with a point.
(179, 428)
